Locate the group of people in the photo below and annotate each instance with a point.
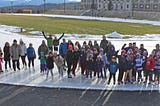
(134, 64)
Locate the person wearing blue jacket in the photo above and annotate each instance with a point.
(113, 67)
(63, 49)
(31, 55)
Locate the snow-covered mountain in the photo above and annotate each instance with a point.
(4, 3)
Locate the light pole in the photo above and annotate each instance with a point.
(44, 6)
(64, 6)
(92, 7)
(11, 6)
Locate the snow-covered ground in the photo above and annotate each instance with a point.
(27, 78)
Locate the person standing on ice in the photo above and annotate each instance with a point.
(42, 53)
(122, 66)
(15, 54)
(113, 67)
(43, 48)
(23, 54)
(50, 64)
(1, 60)
(104, 44)
(69, 59)
(76, 54)
(31, 56)
(150, 64)
(52, 42)
(7, 55)
(58, 59)
(63, 49)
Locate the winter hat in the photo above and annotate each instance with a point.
(70, 46)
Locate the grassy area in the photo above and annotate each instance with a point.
(60, 25)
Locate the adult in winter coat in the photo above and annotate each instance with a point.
(122, 63)
(7, 55)
(1, 60)
(23, 54)
(31, 56)
(142, 49)
(83, 58)
(104, 43)
(69, 59)
(56, 42)
(150, 64)
(15, 54)
(111, 51)
(76, 54)
(43, 48)
(63, 49)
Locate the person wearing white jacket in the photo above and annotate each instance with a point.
(23, 54)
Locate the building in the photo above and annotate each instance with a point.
(107, 4)
(146, 5)
(122, 5)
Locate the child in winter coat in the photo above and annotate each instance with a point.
(150, 63)
(42, 62)
(50, 64)
(113, 67)
(31, 56)
(129, 68)
(105, 61)
(90, 66)
(138, 66)
(1, 60)
(60, 64)
(99, 66)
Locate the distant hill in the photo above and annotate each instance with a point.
(4, 3)
(40, 8)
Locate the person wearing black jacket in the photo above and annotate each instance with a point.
(76, 54)
(69, 59)
(122, 66)
(7, 56)
(50, 64)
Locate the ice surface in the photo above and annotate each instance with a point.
(32, 78)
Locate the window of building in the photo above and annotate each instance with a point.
(155, 6)
(135, 5)
(141, 6)
(127, 5)
(147, 6)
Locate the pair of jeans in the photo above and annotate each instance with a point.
(51, 71)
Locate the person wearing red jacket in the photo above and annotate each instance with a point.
(150, 63)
